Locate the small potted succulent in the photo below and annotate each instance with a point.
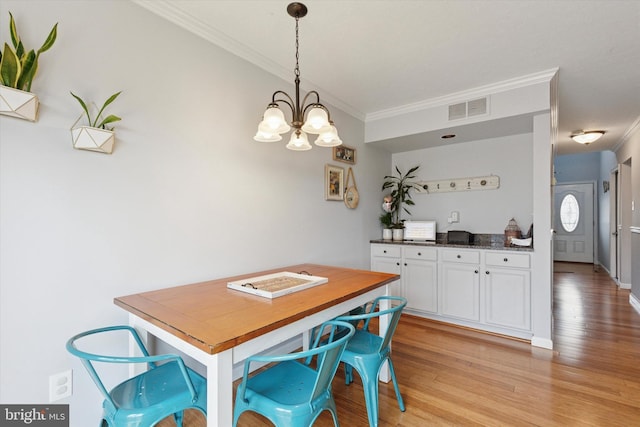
(18, 67)
(96, 136)
(400, 195)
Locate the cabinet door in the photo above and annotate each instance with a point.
(508, 297)
(389, 265)
(420, 280)
(460, 295)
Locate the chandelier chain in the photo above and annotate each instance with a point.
(297, 69)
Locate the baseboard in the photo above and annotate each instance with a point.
(635, 303)
(542, 342)
(623, 285)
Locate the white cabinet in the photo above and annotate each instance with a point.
(508, 290)
(388, 259)
(418, 271)
(460, 284)
(478, 288)
(420, 278)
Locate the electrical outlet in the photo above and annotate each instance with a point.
(60, 385)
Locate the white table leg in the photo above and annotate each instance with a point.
(385, 374)
(220, 389)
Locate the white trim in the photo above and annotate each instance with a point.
(634, 229)
(623, 285)
(194, 25)
(542, 342)
(634, 126)
(466, 95)
(635, 303)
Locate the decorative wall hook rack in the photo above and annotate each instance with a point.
(490, 182)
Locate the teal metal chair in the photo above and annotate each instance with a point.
(293, 391)
(168, 387)
(366, 352)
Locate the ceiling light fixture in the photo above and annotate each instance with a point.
(586, 137)
(318, 120)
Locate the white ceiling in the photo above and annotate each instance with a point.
(366, 57)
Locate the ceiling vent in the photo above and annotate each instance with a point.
(476, 107)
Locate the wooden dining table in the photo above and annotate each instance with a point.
(219, 327)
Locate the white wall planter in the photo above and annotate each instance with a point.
(398, 234)
(18, 103)
(92, 139)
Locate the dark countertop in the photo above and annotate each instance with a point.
(483, 244)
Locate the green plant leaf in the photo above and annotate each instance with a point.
(51, 39)
(84, 106)
(10, 67)
(28, 69)
(107, 102)
(14, 32)
(109, 119)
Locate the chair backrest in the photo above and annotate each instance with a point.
(151, 361)
(329, 353)
(370, 313)
(328, 345)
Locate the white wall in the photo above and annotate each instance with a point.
(186, 196)
(485, 211)
(628, 154)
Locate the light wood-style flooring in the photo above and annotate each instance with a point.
(457, 377)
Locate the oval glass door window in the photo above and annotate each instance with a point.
(569, 213)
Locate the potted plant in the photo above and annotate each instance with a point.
(386, 219)
(400, 195)
(96, 136)
(18, 67)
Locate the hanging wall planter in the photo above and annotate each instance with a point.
(92, 139)
(18, 103)
(95, 137)
(18, 68)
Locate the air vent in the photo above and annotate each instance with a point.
(458, 111)
(476, 107)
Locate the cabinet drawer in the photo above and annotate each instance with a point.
(419, 252)
(507, 259)
(385, 251)
(469, 257)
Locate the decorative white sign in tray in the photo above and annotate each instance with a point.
(276, 284)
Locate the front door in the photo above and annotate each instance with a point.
(573, 218)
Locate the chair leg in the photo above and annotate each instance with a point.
(369, 377)
(178, 417)
(395, 386)
(348, 374)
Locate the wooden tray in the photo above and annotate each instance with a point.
(276, 284)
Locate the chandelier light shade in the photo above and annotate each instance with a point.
(586, 137)
(308, 116)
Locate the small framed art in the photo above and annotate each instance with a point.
(333, 182)
(345, 154)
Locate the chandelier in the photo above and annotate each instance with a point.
(307, 117)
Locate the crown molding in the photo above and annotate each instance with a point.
(194, 25)
(479, 92)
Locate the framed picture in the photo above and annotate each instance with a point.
(333, 182)
(342, 153)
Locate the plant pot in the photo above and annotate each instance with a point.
(387, 234)
(93, 139)
(398, 233)
(18, 103)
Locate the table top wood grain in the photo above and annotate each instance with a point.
(214, 318)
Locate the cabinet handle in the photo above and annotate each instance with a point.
(405, 264)
(384, 251)
(419, 253)
(458, 256)
(397, 263)
(476, 271)
(506, 260)
(486, 272)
